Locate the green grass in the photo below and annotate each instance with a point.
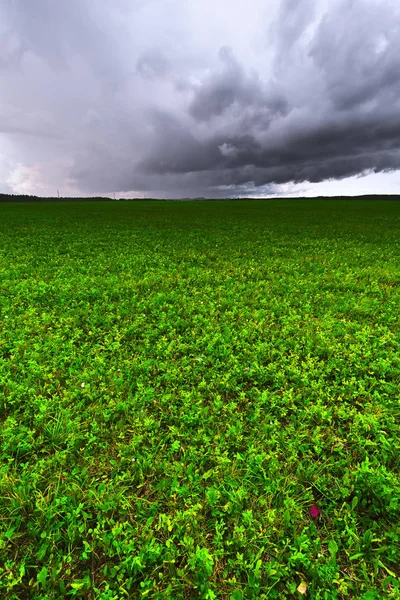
(181, 382)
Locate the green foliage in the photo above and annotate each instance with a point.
(181, 382)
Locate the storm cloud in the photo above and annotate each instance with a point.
(164, 97)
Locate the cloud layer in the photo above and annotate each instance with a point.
(164, 97)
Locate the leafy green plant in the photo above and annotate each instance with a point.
(200, 400)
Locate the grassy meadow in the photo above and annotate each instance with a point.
(200, 400)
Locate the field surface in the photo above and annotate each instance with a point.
(200, 400)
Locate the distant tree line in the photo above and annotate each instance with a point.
(29, 198)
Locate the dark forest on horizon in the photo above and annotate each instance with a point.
(29, 198)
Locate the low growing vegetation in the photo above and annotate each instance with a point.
(200, 400)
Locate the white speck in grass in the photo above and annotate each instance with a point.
(83, 385)
(133, 459)
(6, 316)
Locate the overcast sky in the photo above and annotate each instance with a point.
(199, 97)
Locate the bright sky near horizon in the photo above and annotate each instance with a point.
(179, 98)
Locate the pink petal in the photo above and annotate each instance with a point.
(314, 511)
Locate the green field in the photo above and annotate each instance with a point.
(181, 382)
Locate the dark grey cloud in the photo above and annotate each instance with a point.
(227, 88)
(345, 125)
(139, 96)
(356, 50)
